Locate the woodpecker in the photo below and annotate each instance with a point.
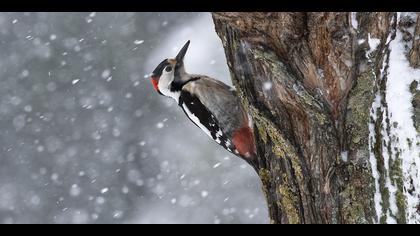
(210, 104)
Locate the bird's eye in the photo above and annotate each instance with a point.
(168, 68)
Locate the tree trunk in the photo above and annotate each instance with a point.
(335, 103)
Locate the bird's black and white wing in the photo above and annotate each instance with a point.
(204, 119)
(216, 97)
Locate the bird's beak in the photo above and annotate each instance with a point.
(182, 52)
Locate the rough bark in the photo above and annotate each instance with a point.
(309, 81)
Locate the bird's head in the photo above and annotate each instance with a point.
(168, 71)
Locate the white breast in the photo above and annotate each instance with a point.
(167, 92)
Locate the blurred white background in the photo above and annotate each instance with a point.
(85, 138)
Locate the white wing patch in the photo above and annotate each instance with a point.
(219, 134)
(196, 120)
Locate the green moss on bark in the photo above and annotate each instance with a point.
(280, 146)
(358, 111)
(362, 185)
(265, 176)
(354, 210)
(397, 180)
(288, 202)
(416, 104)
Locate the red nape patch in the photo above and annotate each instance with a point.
(243, 139)
(155, 83)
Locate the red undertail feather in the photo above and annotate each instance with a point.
(243, 139)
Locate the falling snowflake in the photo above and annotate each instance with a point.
(267, 86)
(204, 194)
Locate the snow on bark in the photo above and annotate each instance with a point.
(372, 159)
(385, 190)
(373, 44)
(404, 145)
(397, 180)
(354, 22)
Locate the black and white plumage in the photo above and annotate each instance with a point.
(210, 104)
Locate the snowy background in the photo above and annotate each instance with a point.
(85, 139)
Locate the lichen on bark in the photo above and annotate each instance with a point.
(359, 104)
(415, 90)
